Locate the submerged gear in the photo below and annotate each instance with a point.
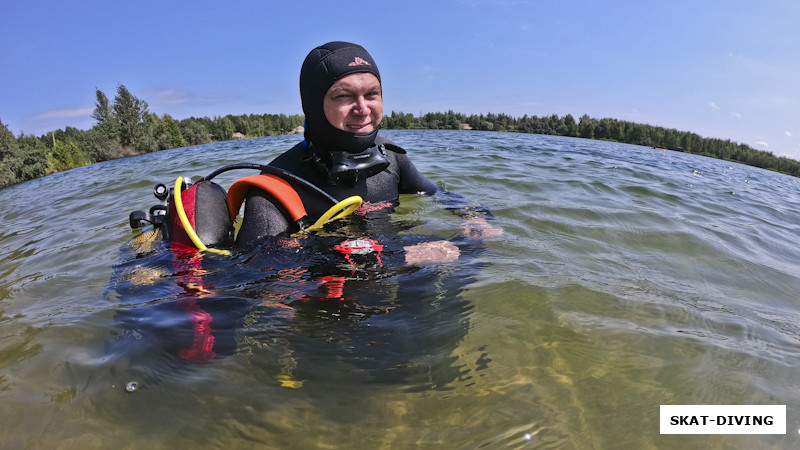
(361, 246)
(322, 67)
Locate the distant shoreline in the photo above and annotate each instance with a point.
(601, 129)
(128, 128)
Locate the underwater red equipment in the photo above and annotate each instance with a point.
(362, 246)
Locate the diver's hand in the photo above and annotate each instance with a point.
(480, 228)
(432, 252)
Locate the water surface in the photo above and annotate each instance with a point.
(626, 278)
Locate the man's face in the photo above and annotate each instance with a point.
(355, 103)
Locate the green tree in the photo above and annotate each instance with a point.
(171, 126)
(104, 115)
(570, 126)
(242, 124)
(586, 127)
(223, 128)
(67, 155)
(194, 132)
(639, 135)
(98, 145)
(31, 159)
(9, 148)
(22, 158)
(132, 120)
(168, 134)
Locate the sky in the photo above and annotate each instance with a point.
(725, 69)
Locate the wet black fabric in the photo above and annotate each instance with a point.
(211, 221)
(263, 216)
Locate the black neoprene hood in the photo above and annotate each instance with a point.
(322, 67)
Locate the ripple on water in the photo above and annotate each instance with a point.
(626, 278)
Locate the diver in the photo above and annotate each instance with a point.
(365, 320)
(342, 153)
(349, 305)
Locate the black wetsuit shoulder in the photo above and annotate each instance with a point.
(265, 216)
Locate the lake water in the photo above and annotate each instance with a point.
(626, 278)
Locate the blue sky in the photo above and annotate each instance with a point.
(726, 69)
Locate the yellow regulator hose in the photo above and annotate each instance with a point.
(185, 221)
(342, 209)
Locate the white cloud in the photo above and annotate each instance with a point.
(66, 113)
(736, 115)
(762, 144)
(714, 106)
(427, 72)
(159, 100)
(788, 133)
(165, 97)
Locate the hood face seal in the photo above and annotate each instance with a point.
(322, 67)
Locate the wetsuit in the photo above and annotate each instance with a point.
(264, 216)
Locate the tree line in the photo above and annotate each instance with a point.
(125, 127)
(602, 129)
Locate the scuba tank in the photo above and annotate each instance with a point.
(202, 214)
(204, 205)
